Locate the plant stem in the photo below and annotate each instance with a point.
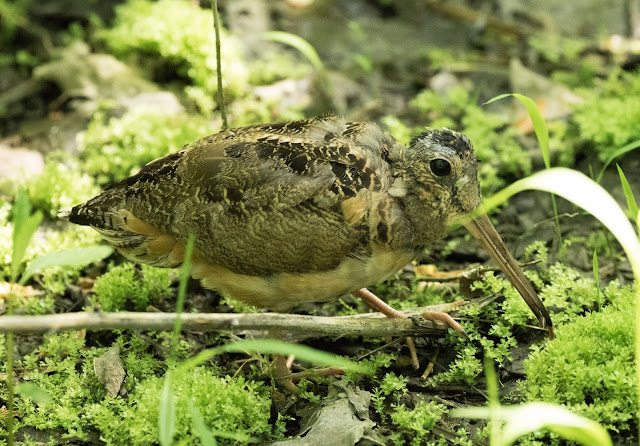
(216, 27)
(494, 401)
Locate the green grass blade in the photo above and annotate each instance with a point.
(301, 352)
(628, 194)
(200, 428)
(185, 272)
(497, 98)
(67, 257)
(167, 412)
(298, 43)
(532, 417)
(34, 392)
(542, 134)
(25, 225)
(494, 401)
(539, 126)
(621, 151)
(585, 193)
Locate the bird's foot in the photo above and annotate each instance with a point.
(444, 317)
(378, 304)
(282, 374)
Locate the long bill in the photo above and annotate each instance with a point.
(484, 231)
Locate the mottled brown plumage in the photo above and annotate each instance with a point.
(291, 212)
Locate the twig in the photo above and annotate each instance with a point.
(468, 15)
(216, 27)
(431, 365)
(371, 324)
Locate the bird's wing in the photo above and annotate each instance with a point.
(289, 197)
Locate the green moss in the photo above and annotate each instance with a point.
(63, 368)
(234, 407)
(610, 113)
(61, 184)
(413, 426)
(491, 330)
(79, 405)
(556, 48)
(117, 148)
(181, 33)
(589, 367)
(131, 287)
(275, 66)
(373, 364)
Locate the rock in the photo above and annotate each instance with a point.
(17, 164)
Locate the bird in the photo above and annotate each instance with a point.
(300, 211)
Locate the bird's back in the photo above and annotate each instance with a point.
(290, 198)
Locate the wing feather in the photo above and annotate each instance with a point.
(285, 197)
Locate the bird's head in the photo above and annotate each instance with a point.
(441, 172)
(443, 168)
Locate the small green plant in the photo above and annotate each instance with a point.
(615, 155)
(632, 205)
(62, 368)
(234, 410)
(595, 377)
(412, 426)
(491, 330)
(60, 185)
(129, 287)
(531, 417)
(180, 34)
(610, 112)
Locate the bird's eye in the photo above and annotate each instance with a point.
(440, 167)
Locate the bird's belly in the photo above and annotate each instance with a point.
(284, 290)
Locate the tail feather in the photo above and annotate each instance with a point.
(97, 212)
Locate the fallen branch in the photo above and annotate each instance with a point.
(370, 324)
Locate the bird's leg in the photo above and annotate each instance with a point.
(282, 373)
(378, 304)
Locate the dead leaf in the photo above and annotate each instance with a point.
(432, 272)
(110, 370)
(342, 421)
(26, 291)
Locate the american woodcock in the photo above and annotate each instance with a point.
(299, 211)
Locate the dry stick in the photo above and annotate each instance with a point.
(370, 324)
(216, 27)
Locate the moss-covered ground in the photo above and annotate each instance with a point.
(169, 47)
